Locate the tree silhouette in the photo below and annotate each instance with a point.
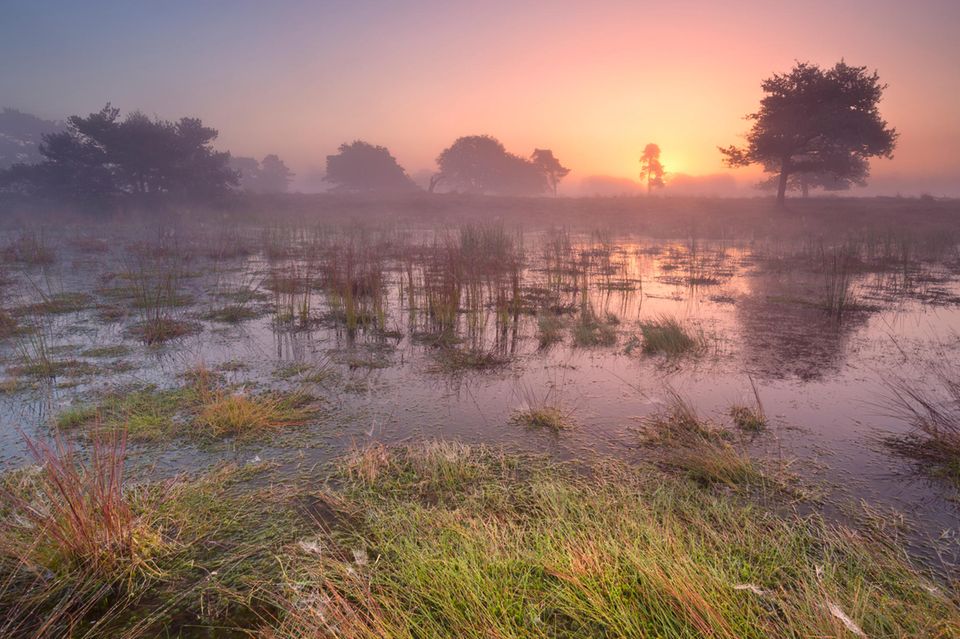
(481, 164)
(651, 170)
(269, 176)
(274, 175)
(817, 122)
(101, 156)
(550, 166)
(363, 167)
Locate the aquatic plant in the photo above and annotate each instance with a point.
(933, 412)
(667, 335)
(697, 447)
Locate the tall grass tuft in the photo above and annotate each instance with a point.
(933, 411)
(667, 335)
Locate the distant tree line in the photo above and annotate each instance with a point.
(269, 175)
(816, 129)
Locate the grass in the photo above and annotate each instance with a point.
(449, 359)
(462, 541)
(85, 554)
(750, 419)
(97, 352)
(71, 536)
(549, 329)
(542, 411)
(75, 416)
(549, 417)
(201, 408)
(933, 412)
(667, 335)
(591, 330)
(443, 539)
(223, 414)
(698, 448)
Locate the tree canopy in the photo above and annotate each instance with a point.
(363, 167)
(818, 122)
(481, 164)
(102, 156)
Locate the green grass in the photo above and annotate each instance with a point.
(77, 415)
(699, 449)
(466, 542)
(748, 418)
(231, 314)
(667, 335)
(118, 350)
(591, 330)
(444, 539)
(548, 417)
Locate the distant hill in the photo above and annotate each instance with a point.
(20, 136)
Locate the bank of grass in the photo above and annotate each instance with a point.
(444, 539)
(463, 541)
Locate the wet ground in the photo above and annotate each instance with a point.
(371, 321)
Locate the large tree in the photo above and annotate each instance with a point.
(102, 155)
(818, 122)
(363, 167)
(481, 164)
(651, 169)
(550, 166)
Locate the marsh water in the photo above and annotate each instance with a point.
(419, 333)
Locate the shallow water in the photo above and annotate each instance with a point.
(822, 379)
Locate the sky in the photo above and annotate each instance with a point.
(593, 81)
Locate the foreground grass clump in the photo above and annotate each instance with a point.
(71, 534)
(82, 554)
(668, 336)
(444, 539)
(461, 541)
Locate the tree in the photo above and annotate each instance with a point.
(481, 164)
(823, 122)
(268, 176)
(101, 156)
(651, 170)
(274, 175)
(550, 167)
(363, 167)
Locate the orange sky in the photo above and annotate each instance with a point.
(593, 81)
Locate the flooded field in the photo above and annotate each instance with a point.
(799, 364)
